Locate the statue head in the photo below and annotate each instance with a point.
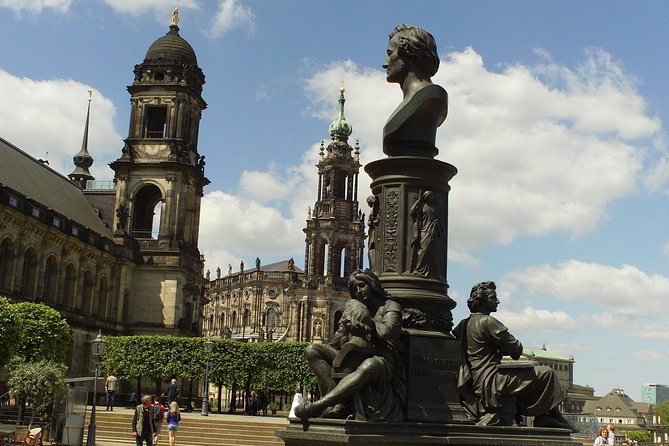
(411, 49)
(364, 286)
(483, 298)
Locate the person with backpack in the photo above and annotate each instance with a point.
(158, 416)
(173, 417)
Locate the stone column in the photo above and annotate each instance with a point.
(420, 285)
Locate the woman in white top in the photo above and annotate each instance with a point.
(297, 400)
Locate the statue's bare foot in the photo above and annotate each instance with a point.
(303, 413)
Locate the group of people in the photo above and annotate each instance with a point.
(147, 421)
(606, 436)
(259, 402)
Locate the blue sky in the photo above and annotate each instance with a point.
(556, 123)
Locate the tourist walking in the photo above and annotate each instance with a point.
(142, 422)
(158, 416)
(110, 388)
(173, 417)
(172, 391)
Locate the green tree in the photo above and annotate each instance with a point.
(39, 383)
(9, 331)
(43, 333)
(641, 436)
(662, 410)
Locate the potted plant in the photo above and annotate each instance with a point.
(272, 407)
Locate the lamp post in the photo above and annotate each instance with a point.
(97, 350)
(208, 347)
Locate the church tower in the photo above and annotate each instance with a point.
(335, 229)
(159, 184)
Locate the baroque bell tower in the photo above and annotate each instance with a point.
(159, 185)
(335, 228)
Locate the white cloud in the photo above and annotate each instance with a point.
(231, 14)
(234, 228)
(539, 149)
(36, 6)
(618, 300)
(532, 319)
(648, 356)
(263, 186)
(160, 8)
(57, 109)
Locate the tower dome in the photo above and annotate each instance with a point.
(171, 48)
(340, 128)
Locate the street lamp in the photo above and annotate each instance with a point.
(98, 346)
(208, 347)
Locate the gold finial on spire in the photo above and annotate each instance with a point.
(175, 16)
(342, 89)
(90, 95)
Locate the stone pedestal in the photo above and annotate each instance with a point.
(432, 362)
(397, 183)
(323, 432)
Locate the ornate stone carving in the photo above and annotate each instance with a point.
(392, 223)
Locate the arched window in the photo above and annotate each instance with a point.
(102, 299)
(87, 293)
(70, 286)
(51, 280)
(147, 204)
(272, 318)
(233, 319)
(6, 264)
(29, 277)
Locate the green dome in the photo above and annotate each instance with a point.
(171, 48)
(340, 127)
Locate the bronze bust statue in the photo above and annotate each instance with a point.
(412, 60)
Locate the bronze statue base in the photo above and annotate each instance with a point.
(325, 432)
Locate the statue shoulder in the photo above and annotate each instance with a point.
(392, 305)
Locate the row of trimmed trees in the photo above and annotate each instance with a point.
(278, 367)
(34, 339)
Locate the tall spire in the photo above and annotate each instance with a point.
(340, 129)
(83, 160)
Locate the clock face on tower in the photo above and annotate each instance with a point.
(272, 293)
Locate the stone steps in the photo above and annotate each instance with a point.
(114, 428)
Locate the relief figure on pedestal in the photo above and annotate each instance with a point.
(427, 237)
(412, 60)
(496, 393)
(360, 374)
(372, 228)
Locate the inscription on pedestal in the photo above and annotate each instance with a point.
(433, 362)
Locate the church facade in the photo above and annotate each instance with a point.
(280, 302)
(118, 256)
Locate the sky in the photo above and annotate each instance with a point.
(557, 113)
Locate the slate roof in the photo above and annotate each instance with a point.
(37, 181)
(615, 404)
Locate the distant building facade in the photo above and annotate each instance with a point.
(121, 256)
(654, 393)
(280, 301)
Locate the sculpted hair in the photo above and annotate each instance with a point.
(417, 48)
(478, 293)
(370, 279)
